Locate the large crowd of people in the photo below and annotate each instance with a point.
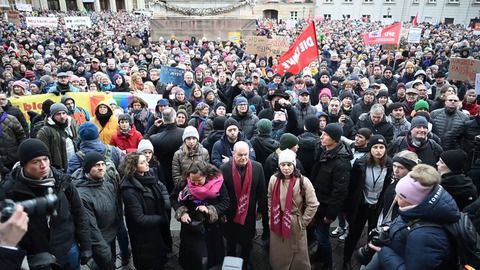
(364, 135)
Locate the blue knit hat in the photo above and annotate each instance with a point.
(88, 131)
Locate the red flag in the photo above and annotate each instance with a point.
(415, 20)
(387, 35)
(302, 52)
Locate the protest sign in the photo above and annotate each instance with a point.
(263, 46)
(24, 7)
(13, 16)
(386, 35)
(463, 69)
(76, 22)
(414, 35)
(171, 75)
(41, 21)
(234, 37)
(133, 41)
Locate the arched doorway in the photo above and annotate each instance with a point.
(270, 14)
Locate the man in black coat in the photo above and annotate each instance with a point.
(11, 232)
(376, 121)
(63, 239)
(166, 143)
(246, 188)
(14, 111)
(330, 178)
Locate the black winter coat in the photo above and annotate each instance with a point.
(461, 188)
(330, 177)
(165, 144)
(472, 129)
(359, 109)
(14, 111)
(428, 153)
(146, 208)
(11, 259)
(10, 138)
(473, 211)
(449, 127)
(383, 128)
(56, 236)
(263, 145)
(307, 149)
(257, 203)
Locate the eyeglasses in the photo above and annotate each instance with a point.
(452, 100)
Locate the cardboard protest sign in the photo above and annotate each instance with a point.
(13, 16)
(133, 41)
(171, 75)
(263, 46)
(463, 69)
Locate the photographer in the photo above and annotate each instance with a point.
(63, 239)
(420, 197)
(11, 232)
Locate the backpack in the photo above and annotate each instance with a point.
(111, 174)
(464, 236)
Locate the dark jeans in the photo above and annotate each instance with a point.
(122, 237)
(71, 260)
(324, 248)
(365, 213)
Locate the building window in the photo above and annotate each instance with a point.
(293, 15)
(389, 1)
(454, 1)
(416, 2)
(432, 1)
(328, 1)
(449, 20)
(348, 1)
(368, 1)
(327, 17)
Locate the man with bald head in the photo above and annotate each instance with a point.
(245, 183)
(449, 123)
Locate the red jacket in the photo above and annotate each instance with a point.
(127, 142)
(473, 109)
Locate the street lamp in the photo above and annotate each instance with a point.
(388, 12)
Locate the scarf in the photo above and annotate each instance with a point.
(242, 192)
(412, 147)
(281, 221)
(103, 118)
(48, 181)
(3, 116)
(141, 115)
(210, 190)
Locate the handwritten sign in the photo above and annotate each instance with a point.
(133, 41)
(463, 69)
(24, 7)
(41, 21)
(171, 75)
(13, 16)
(263, 46)
(414, 35)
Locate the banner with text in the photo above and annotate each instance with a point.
(463, 69)
(171, 75)
(41, 21)
(388, 35)
(76, 22)
(302, 52)
(263, 46)
(24, 7)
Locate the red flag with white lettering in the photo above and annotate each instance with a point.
(302, 52)
(387, 35)
(415, 20)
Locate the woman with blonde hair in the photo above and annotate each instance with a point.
(292, 204)
(136, 83)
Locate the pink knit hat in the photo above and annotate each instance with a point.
(325, 92)
(411, 190)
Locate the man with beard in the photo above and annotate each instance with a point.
(59, 135)
(449, 123)
(398, 120)
(246, 119)
(363, 106)
(303, 108)
(250, 94)
(417, 141)
(389, 81)
(335, 115)
(376, 121)
(63, 85)
(377, 74)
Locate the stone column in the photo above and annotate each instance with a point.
(140, 4)
(80, 5)
(63, 5)
(96, 5)
(113, 5)
(128, 5)
(43, 4)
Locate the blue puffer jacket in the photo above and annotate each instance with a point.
(425, 247)
(88, 146)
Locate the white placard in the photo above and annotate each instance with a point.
(24, 7)
(41, 21)
(414, 35)
(75, 22)
(477, 83)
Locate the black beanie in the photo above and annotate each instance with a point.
(334, 130)
(287, 141)
(365, 132)
(90, 160)
(219, 122)
(230, 122)
(46, 106)
(376, 139)
(311, 124)
(454, 159)
(30, 149)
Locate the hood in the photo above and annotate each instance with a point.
(81, 180)
(103, 103)
(438, 207)
(92, 145)
(420, 72)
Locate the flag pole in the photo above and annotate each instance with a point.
(316, 41)
(398, 47)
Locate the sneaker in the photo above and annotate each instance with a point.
(337, 232)
(343, 236)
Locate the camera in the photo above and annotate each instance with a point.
(378, 237)
(35, 207)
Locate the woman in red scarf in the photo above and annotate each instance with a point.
(292, 204)
(201, 206)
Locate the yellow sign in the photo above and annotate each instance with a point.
(234, 37)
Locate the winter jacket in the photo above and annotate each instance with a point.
(200, 124)
(103, 207)
(303, 112)
(165, 144)
(11, 135)
(17, 113)
(473, 211)
(253, 99)
(246, 123)
(330, 177)
(307, 149)
(348, 126)
(224, 148)
(383, 128)
(106, 132)
(472, 129)
(212, 138)
(358, 109)
(460, 187)
(53, 234)
(429, 152)
(88, 146)
(399, 126)
(127, 142)
(449, 127)
(182, 160)
(263, 145)
(425, 247)
(55, 138)
(146, 208)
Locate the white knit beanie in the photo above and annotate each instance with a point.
(144, 145)
(287, 155)
(190, 132)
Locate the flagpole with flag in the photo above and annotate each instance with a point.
(415, 20)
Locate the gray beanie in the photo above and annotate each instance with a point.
(190, 132)
(144, 145)
(57, 107)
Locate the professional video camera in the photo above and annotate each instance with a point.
(378, 237)
(35, 207)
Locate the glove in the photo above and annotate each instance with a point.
(56, 93)
(85, 257)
